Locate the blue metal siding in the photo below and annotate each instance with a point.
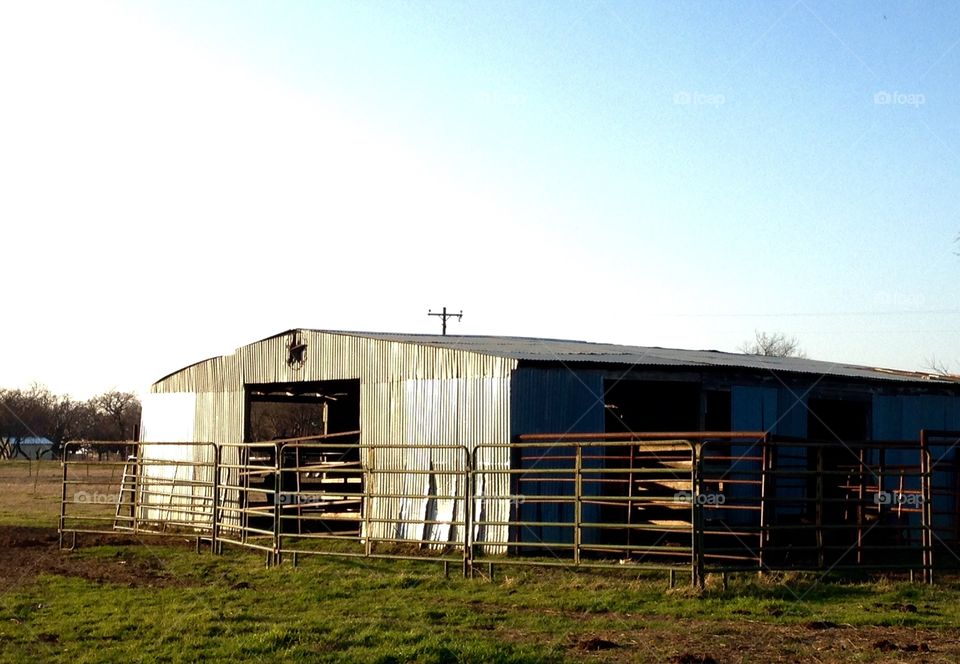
(553, 400)
(752, 409)
(887, 418)
(556, 401)
(792, 414)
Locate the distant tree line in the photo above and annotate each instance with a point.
(39, 413)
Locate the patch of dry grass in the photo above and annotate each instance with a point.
(30, 490)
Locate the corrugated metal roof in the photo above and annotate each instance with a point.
(565, 351)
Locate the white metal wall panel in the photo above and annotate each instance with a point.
(167, 418)
(410, 394)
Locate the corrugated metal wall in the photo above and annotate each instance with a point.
(901, 418)
(554, 400)
(409, 395)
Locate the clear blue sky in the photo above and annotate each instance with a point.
(186, 177)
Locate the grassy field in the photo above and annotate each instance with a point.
(150, 601)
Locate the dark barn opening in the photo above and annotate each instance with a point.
(318, 485)
(297, 410)
(642, 405)
(835, 423)
(652, 515)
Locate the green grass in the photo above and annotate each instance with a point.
(163, 602)
(232, 607)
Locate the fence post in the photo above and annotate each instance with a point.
(63, 495)
(696, 543)
(469, 467)
(926, 510)
(366, 454)
(214, 526)
(765, 464)
(821, 553)
(138, 510)
(277, 504)
(578, 504)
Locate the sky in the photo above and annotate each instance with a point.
(178, 179)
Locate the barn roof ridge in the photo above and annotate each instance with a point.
(547, 350)
(536, 349)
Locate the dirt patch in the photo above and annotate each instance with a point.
(886, 645)
(594, 644)
(823, 624)
(688, 658)
(688, 641)
(27, 552)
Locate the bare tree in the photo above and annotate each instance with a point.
(121, 413)
(937, 366)
(775, 344)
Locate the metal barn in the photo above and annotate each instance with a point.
(419, 417)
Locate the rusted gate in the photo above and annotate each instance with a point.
(610, 500)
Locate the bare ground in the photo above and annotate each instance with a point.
(26, 552)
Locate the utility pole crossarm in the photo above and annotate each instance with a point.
(443, 315)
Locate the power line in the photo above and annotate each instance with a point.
(812, 314)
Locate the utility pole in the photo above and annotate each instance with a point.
(444, 316)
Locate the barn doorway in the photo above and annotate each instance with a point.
(831, 425)
(651, 405)
(321, 483)
(645, 478)
(296, 410)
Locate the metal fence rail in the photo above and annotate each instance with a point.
(819, 505)
(355, 499)
(332, 496)
(691, 502)
(111, 488)
(942, 493)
